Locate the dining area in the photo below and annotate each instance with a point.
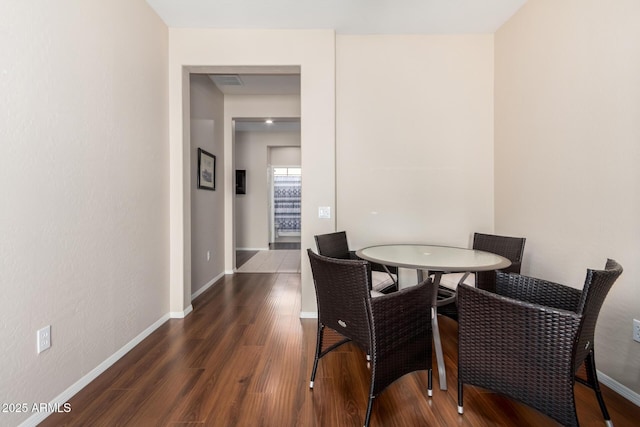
(245, 357)
(517, 337)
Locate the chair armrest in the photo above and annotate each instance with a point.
(405, 307)
(537, 291)
(402, 336)
(504, 342)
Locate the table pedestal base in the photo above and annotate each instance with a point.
(437, 344)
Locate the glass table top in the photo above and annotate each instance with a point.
(431, 257)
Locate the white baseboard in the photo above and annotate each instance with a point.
(210, 283)
(622, 390)
(252, 249)
(64, 397)
(181, 314)
(308, 314)
(229, 271)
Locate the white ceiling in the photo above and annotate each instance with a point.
(280, 124)
(246, 82)
(345, 16)
(259, 84)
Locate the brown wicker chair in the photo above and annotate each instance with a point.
(384, 279)
(511, 248)
(528, 339)
(395, 329)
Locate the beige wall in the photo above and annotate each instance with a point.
(314, 52)
(84, 202)
(414, 138)
(567, 154)
(252, 151)
(207, 207)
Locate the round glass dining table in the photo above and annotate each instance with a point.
(447, 259)
(435, 260)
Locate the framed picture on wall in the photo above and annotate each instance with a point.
(206, 170)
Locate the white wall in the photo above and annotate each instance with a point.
(567, 154)
(252, 151)
(414, 138)
(207, 207)
(84, 202)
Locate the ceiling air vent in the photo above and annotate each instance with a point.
(226, 79)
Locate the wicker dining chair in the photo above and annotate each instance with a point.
(509, 247)
(384, 278)
(528, 339)
(395, 329)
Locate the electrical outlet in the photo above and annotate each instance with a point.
(44, 338)
(636, 330)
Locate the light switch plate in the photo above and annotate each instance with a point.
(324, 212)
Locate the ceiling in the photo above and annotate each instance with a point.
(257, 84)
(247, 81)
(280, 124)
(344, 16)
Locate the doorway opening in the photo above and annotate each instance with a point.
(267, 214)
(284, 185)
(286, 204)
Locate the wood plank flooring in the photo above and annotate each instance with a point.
(243, 358)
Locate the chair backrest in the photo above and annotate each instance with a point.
(511, 248)
(508, 247)
(342, 295)
(333, 245)
(596, 287)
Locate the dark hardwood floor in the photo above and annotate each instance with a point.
(243, 358)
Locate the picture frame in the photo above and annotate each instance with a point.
(206, 170)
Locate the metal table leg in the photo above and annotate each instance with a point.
(442, 373)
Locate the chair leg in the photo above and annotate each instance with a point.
(430, 382)
(367, 417)
(460, 409)
(318, 350)
(592, 379)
